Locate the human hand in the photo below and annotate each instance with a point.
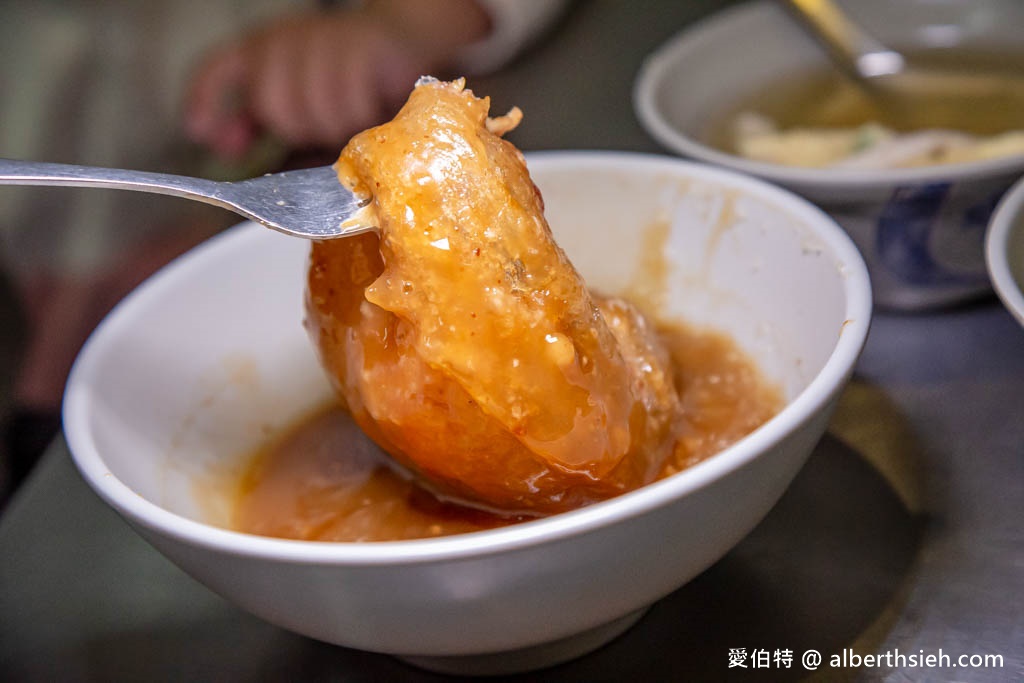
(316, 79)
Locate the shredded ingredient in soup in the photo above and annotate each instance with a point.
(949, 107)
(868, 146)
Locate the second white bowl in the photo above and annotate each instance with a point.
(920, 230)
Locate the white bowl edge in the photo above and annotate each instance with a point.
(1008, 218)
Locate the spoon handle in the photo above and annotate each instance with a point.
(308, 203)
(18, 172)
(852, 49)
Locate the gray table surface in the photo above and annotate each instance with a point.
(902, 533)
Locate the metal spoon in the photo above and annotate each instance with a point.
(909, 95)
(308, 203)
(853, 50)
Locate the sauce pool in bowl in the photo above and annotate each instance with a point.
(323, 480)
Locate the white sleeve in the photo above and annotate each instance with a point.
(514, 24)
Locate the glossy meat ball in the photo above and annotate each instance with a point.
(462, 339)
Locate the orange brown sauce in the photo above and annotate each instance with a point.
(323, 480)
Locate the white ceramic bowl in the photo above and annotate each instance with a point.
(920, 230)
(204, 360)
(1004, 250)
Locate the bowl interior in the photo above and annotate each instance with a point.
(209, 358)
(197, 368)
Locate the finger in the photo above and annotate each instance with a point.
(215, 93)
(234, 139)
(363, 99)
(331, 91)
(275, 95)
(396, 75)
(366, 99)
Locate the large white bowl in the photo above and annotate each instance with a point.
(921, 230)
(1004, 250)
(202, 362)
